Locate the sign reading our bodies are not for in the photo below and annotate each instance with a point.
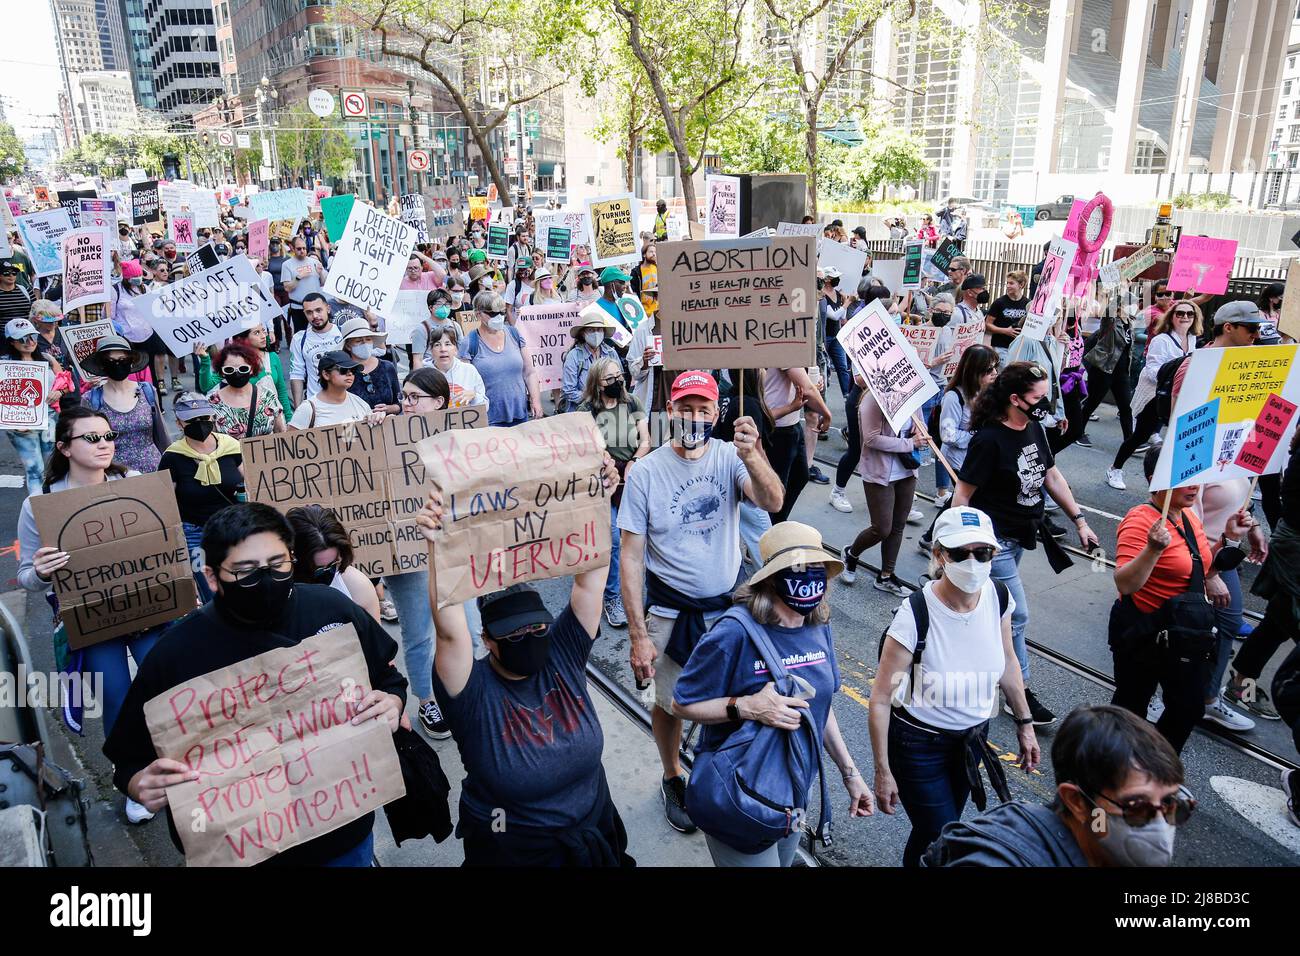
(521, 504)
(371, 475)
(738, 303)
(278, 758)
(372, 254)
(546, 330)
(898, 379)
(206, 307)
(1247, 384)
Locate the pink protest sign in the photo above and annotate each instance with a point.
(546, 330)
(1257, 451)
(259, 238)
(1202, 264)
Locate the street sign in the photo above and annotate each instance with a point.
(243, 140)
(321, 102)
(418, 160)
(356, 104)
(226, 138)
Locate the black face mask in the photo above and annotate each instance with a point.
(940, 319)
(257, 598)
(526, 656)
(117, 371)
(325, 574)
(983, 297)
(1040, 409)
(199, 430)
(612, 390)
(237, 379)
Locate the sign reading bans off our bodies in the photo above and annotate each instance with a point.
(278, 759)
(371, 475)
(741, 303)
(207, 306)
(128, 566)
(522, 504)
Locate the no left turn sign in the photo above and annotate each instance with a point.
(418, 160)
(356, 105)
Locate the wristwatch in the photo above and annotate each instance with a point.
(733, 713)
(1077, 518)
(1022, 721)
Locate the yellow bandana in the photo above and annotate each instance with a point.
(209, 470)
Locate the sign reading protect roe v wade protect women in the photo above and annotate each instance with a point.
(279, 761)
(1246, 382)
(738, 303)
(522, 504)
(372, 255)
(207, 306)
(371, 475)
(128, 566)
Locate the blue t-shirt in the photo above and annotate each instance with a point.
(503, 375)
(530, 747)
(726, 663)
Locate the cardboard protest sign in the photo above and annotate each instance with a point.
(79, 341)
(410, 308)
(799, 229)
(923, 338)
(42, 194)
(283, 229)
(42, 234)
(24, 389)
(442, 208)
(559, 240)
(371, 257)
(279, 760)
(204, 257)
(546, 330)
(145, 203)
(1288, 322)
(281, 204)
(1247, 383)
(1263, 440)
(739, 303)
(182, 232)
(522, 504)
(1051, 287)
(259, 238)
(964, 336)
(912, 265)
(1193, 436)
(844, 259)
(943, 254)
(498, 242)
(1202, 264)
(371, 475)
(722, 200)
(98, 214)
(87, 268)
(128, 567)
(336, 210)
(613, 231)
(895, 374)
(1109, 275)
(412, 213)
(478, 208)
(207, 306)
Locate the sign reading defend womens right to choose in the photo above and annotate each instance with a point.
(1235, 416)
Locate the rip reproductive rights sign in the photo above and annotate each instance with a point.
(371, 475)
(207, 306)
(128, 566)
(279, 761)
(738, 303)
(522, 504)
(546, 330)
(372, 255)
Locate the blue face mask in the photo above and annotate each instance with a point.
(691, 433)
(442, 312)
(802, 590)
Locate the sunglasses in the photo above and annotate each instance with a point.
(324, 574)
(1183, 312)
(982, 553)
(1176, 808)
(532, 630)
(94, 438)
(1164, 295)
(229, 370)
(495, 315)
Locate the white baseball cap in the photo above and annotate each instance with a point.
(958, 527)
(19, 329)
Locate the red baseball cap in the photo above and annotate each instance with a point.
(694, 383)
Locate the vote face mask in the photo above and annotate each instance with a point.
(1151, 845)
(969, 575)
(690, 433)
(525, 656)
(258, 597)
(802, 591)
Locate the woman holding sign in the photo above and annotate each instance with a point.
(131, 407)
(22, 344)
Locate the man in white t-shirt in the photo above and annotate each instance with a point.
(333, 403)
(307, 346)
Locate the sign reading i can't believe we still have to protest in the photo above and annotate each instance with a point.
(279, 760)
(738, 303)
(371, 475)
(521, 504)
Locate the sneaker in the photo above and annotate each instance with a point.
(1291, 788)
(1244, 631)
(816, 477)
(914, 517)
(615, 614)
(1156, 441)
(1054, 529)
(850, 572)
(1223, 715)
(1142, 449)
(1042, 716)
(925, 545)
(176, 384)
(1094, 417)
(136, 812)
(1115, 478)
(162, 388)
(431, 721)
(941, 499)
(891, 585)
(1259, 704)
(1155, 708)
(674, 792)
(824, 436)
(839, 502)
(388, 611)
(1083, 441)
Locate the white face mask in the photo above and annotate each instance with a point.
(1151, 845)
(969, 575)
(363, 352)
(593, 339)
(496, 323)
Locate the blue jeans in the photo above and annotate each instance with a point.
(193, 538)
(410, 595)
(754, 521)
(1228, 620)
(941, 479)
(930, 771)
(108, 658)
(360, 855)
(33, 450)
(611, 583)
(840, 362)
(1006, 568)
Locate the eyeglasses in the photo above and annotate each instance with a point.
(240, 370)
(982, 553)
(1176, 808)
(410, 398)
(532, 630)
(94, 438)
(281, 566)
(1164, 295)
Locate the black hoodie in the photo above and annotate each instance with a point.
(1012, 834)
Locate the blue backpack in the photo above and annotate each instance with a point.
(753, 790)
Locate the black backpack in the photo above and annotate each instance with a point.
(1164, 397)
(932, 426)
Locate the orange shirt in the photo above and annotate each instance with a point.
(1173, 570)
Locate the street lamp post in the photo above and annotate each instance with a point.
(415, 130)
(262, 94)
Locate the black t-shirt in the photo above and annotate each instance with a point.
(379, 387)
(197, 502)
(1007, 468)
(729, 411)
(1008, 313)
(1291, 491)
(207, 640)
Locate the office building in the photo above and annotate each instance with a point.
(182, 55)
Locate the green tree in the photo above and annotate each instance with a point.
(13, 158)
(761, 145)
(886, 157)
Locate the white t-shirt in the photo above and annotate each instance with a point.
(465, 379)
(352, 410)
(962, 663)
(305, 350)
